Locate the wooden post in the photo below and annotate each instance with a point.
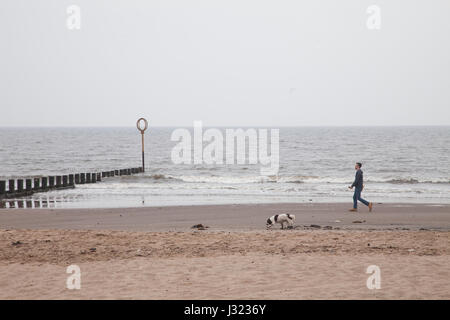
(77, 178)
(88, 178)
(82, 178)
(44, 182)
(37, 183)
(28, 186)
(11, 185)
(99, 176)
(93, 178)
(20, 185)
(71, 180)
(51, 181)
(2, 187)
(65, 180)
(58, 181)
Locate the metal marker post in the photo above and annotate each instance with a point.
(142, 130)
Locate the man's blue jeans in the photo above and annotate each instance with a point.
(357, 196)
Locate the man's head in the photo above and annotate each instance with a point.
(358, 165)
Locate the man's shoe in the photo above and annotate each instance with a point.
(353, 210)
(370, 206)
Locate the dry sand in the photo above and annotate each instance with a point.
(234, 259)
(290, 264)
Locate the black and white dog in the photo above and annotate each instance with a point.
(281, 219)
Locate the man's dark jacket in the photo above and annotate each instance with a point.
(358, 183)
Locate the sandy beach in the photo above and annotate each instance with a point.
(238, 217)
(153, 253)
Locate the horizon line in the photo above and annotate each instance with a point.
(228, 126)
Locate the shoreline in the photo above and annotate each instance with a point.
(350, 203)
(236, 217)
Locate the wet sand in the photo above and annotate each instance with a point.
(230, 217)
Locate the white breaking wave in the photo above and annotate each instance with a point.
(285, 179)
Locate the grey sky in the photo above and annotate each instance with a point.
(227, 63)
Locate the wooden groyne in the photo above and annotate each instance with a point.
(22, 187)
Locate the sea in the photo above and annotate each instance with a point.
(316, 164)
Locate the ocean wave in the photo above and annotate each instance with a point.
(245, 179)
(438, 182)
(295, 179)
(409, 181)
(159, 177)
(225, 179)
(156, 177)
(403, 181)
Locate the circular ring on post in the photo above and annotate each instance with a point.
(138, 125)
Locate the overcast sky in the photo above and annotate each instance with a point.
(225, 62)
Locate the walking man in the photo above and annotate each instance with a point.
(358, 184)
